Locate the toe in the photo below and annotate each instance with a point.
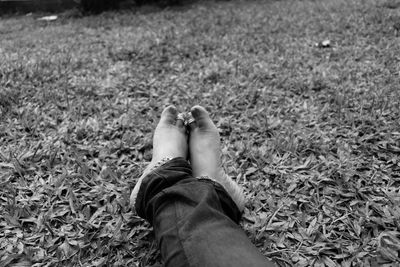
(202, 117)
(191, 122)
(168, 116)
(180, 123)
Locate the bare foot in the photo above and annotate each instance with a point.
(205, 154)
(169, 141)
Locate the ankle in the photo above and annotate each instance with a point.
(232, 188)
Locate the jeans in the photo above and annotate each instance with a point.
(195, 220)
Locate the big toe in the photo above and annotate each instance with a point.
(202, 118)
(168, 116)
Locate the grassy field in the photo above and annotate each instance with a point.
(311, 133)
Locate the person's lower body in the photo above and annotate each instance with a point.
(194, 209)
(194, 220)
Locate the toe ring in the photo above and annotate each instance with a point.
(190, 119)
(181, 116)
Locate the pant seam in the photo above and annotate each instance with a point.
(179, 236)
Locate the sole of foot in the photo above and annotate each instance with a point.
(169, 141)
(205, 154)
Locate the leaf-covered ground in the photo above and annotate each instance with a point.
(311, 133)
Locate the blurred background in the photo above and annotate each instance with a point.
(92, 6)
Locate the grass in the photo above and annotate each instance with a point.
(311, 133)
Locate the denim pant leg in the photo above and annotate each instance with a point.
(194, 220)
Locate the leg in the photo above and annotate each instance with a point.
(194, 220)
(205, 154)
(169, 141)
